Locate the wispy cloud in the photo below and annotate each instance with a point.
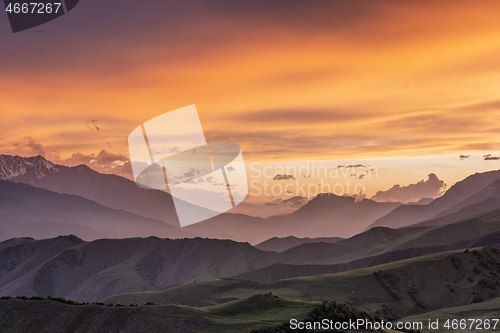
(283, 177)
(489, 157)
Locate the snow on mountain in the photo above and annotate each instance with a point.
(15, 166)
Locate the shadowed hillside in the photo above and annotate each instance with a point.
(282, 244)
(257, 312)
(392, 290)
(90, 271)
(100, 269)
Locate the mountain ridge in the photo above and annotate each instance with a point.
(406, 215)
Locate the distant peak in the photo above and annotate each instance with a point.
(332, 198)
(15, 166)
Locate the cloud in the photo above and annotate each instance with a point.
(36, 147)
(339, 46)
(283, 177)
(104, 158)
(488, 157)
(303, 116)
(29, 146)
(464, 157)
(79, 158)
(103, 162)
(430, 188)
(124, 170)
(192, 173)
(351, 166)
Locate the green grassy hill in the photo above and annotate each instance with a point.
(255, 312)
(393, 290)
(483, 310)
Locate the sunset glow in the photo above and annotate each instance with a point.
(288, 81)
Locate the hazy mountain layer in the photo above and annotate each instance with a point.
(109, 190)
(324, 216)
(406, 215)
(34, 212)
(90, 271)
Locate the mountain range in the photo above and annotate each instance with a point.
(123, 245)
(129, 208)
(67, 266)
(471, 190)
(325, 213)
(107, 189)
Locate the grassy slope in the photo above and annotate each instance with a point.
(389, 245)
(277, 272)
(401, 288)
(483, 310)
(260, 313)
(244, 315)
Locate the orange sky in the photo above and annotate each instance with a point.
(286, 80)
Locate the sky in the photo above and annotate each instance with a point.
(407, 85)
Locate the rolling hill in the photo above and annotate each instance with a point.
(277, 244)
(257, 313)
(394, 290)
(282, 271)
(90, 271)
(480, 312)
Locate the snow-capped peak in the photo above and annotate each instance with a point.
(15, 166)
